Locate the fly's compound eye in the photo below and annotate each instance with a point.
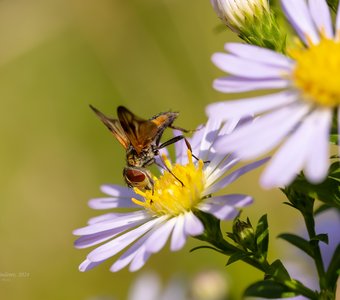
(138, 177)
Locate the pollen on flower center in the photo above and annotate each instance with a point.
(317, 72)
(169, 196)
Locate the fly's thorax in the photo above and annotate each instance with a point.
(136, 177)
(145, 158)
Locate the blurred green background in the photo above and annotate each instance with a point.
(57, 57)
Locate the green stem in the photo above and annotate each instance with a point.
(310, 225)
(263, 265)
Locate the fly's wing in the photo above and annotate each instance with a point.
(114, 126)
(141, 133)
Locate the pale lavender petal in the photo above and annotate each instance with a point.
(220, 170)
(337, 25)
(249, 106)
(87, 265)
(244, 68)
(210, 133)
(338, 115)
(318, 158)
(116, 245)
(259, 54)
(297, 13)
(178, 237)
(233, 84)
(233, 176)
(147, 286)
(129, 254)
(289, 160)
(107, 203)
(118, 191)
(139, 260)
(236, 200)
(322, 18)
(256, 139)
(221, 212)
(104, 217)
(159, 237)
(133, 219)
(97, 238)
(192, 225)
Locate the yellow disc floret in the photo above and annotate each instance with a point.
(176, 193)
(317, 72)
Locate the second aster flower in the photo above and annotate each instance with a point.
(167, 212)
(300, 116)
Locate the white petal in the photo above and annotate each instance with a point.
(259, 54)
(322, 17)
(318, 158)
(249, 106)
(337, 25)
(148, 285)
(129, 254)
(159, 237)
(107, 203)
(178, 237)
(233, 84)
(116, 245)
(232, 177)
(298, 14)
(139, 260)
(256, 139)
(97, 238)
(133, 219)
(87, 265)
(236, 200)
(118, 191)
(289, 160)
(104, 217)
(244, 68)
(192, 225)
(221, 212)
(210, 133)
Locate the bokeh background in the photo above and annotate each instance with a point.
(57, 57)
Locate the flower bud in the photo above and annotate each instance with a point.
(236, 14)
(243, 233)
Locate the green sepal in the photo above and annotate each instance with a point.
(298, 242)
(269, 289)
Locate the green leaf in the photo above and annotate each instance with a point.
(334, 268)
(262, 236)
(298, 242)
(269, 289)
(278, 271)
(328, 191)
(323, 237)
(236, 256)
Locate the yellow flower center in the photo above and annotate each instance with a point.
(175, 193)
(317, 72)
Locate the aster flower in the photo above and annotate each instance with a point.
(168, 210)
(299, 117)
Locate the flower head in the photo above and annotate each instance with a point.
(168, 210)
(299, 118)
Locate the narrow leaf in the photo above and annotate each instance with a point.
(269, 289)
(298, 242)
(262, 236)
